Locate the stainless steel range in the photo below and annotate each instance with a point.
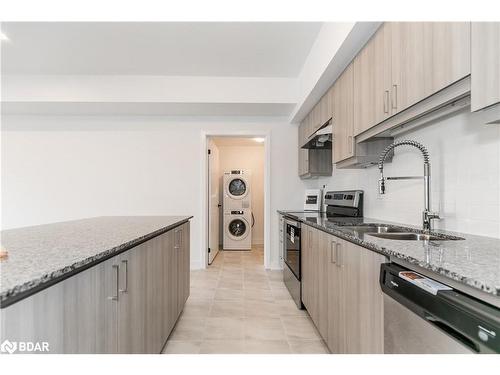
(348, 203)
(339, 204)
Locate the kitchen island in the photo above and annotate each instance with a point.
(98, 285)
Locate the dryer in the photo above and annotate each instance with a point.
(237, 230)
(237, 194)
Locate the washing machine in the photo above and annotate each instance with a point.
(237, 230)
(237, 193)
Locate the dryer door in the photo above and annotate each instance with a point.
(237, 187)
(238, 228)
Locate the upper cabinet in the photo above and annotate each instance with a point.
(372, 81)
(406, 71)
(343, 116)
(450, 56)
(404, 63)
(485, 60)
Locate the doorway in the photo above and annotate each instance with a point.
(236, 169)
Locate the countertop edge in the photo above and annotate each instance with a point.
(27, 289)
(485, 288)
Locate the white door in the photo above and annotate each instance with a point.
(213, 197)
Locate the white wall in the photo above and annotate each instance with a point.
(58, 168)
(147, 89)
(250, 159)
(465, 162)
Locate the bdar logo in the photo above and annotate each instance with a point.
(8, 347)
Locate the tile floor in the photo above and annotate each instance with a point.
(236, 306)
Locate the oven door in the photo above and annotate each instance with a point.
(292, 247)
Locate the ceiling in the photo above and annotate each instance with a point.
(237, 141)
(246, 49)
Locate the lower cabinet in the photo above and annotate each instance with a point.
(126, 304)
(343, 292)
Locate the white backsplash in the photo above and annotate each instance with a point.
(465, 177)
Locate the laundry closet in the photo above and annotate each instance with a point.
(236, 192)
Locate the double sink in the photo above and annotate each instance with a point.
(398, 233)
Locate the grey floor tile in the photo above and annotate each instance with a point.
(266, 347)
(182, 347)
(308, 347)
(222, 347)
(224, 328)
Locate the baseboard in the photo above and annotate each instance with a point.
(197, 265)
(275, 266)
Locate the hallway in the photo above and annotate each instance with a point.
(236, 306)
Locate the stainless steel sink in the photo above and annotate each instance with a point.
(410, 236)
(373, 229)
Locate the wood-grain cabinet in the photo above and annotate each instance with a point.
(341, 292)
(404, 63)
(485, 61)
(343, 116)
(126, 304)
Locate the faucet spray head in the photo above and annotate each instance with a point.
(381, 185)
(381, 180)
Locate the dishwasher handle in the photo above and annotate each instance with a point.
(442, 325)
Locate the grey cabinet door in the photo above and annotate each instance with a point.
(38, 318)
(76, 315)
(90, 310)
(172, 283)
(181, 235)
(156, 314)
(132, 300)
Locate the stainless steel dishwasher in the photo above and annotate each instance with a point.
(419, 322)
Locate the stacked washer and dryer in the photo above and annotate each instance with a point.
(237, 205)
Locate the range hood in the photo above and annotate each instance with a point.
(322, 138)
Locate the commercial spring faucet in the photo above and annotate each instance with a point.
(427, 215)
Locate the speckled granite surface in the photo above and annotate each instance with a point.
(39, 254)
(474, 261)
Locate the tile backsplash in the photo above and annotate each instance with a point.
(465, 177)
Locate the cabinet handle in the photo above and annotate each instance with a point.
(115, 297)
(350, 140)
(394, 97)
(125, 263)
(332, 252)
(177, 239)
(386, 101)
(338, 253)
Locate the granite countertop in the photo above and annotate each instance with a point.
(40, 255)
(473, 261)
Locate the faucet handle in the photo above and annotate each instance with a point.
(432, 215)
(427, 216)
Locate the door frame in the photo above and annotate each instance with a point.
(266, 134)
